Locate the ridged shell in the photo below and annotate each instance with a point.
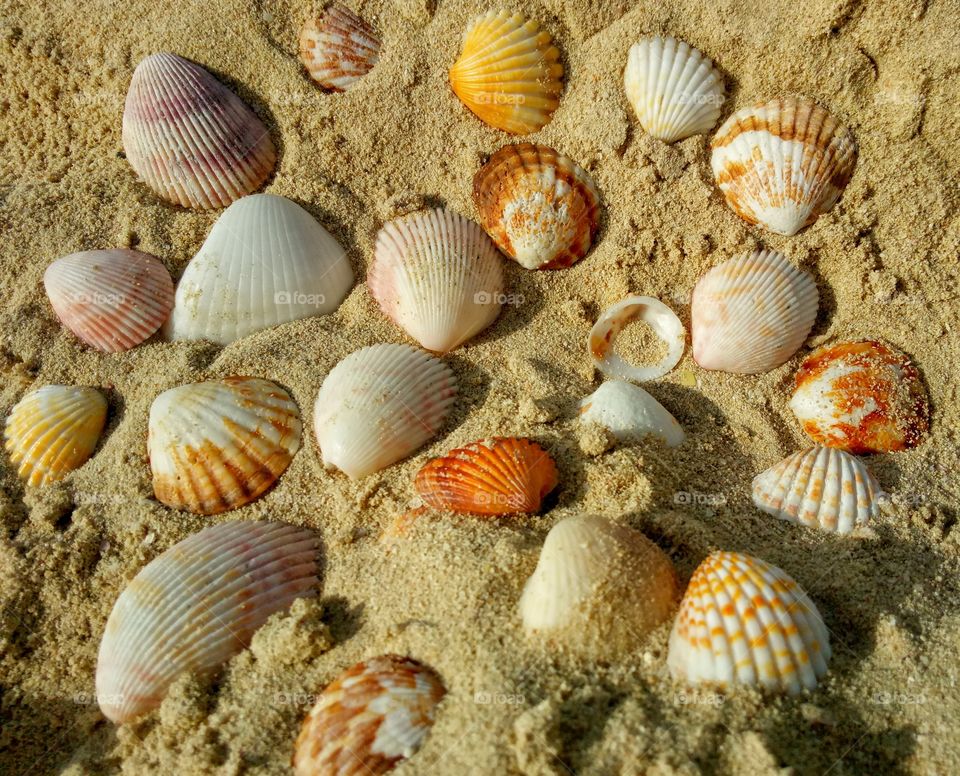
(196, 606)
(541, 208)
(675, 90)
(265, 262)
(53, 430)
(630, 414)
(189, 138)
(821, 488)
(664, 322)
(744, 621)
(438, 277)
(862, 397)
(380, 404)
(508, 73)
(113, 299)
(751, 313)
(220, 444)
(369, 719)
(338, 48)
(783, 163)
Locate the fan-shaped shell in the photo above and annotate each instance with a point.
(338, 48)
(630, 413)
(189, 138)
(663, 320)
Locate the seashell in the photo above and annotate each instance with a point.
(369, 719)
(438, 277)
(196, 606)
(401, 525)
(379, 405)
(821, 488)
(265, 262)
(782, 164)
(751, 313)
(508, 73)
(744, 621)
(599, 588)
(338, 48)
(862, 397)
(541, 208)
(113, 300)
(53, 430)
(612, 321)
(220, 444)
(189, 138)
(675, 90)
(499, 476)
(630, 413)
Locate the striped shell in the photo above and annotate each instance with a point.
(664, 322)
(196, 606)
(189, 138)
(338, 48)
(630, 414)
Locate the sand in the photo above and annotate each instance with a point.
(885, 260)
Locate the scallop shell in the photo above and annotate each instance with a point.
(338, 48)
(663, 320)
(744, 621)
(541, 208)
(220, 444)
(782, 164)
(196, 606)
(370, 718)
(438, 277)
(189, 138)
(53, 430)
(509, 73)
(113, 300)
(751, 313)
(379, 405)
(675, 90)
(265, 262)
(630, 414)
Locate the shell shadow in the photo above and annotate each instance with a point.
(342, 617)
(475, 380)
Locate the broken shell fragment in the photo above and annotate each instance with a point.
(661, 318)
(630, 414)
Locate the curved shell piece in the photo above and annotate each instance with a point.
(380, 404)
(675, 90)
(744, 621)
(630, 413)
(509, 73)
(338, 48)
(751, 313)
(540, 207)
(438, 277)
(600, 343)
(196, 606)
(373, 716)
(220, 444)
(53, 430)
(265, 262)
(783, 163)
(189, 138)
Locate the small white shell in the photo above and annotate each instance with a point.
(338, 48)
(653, 312)
(630, 413)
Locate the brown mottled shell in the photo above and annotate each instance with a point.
(338, 48)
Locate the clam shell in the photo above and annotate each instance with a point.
(370, 718)
(379, 405)
(782, 164)
(744, 621)
(196, 606)
(541, 208)
(265, 262)
(630, 414)
(338, 48)
(751, 313)
(53, 430)
(438, 277)
(113, 299)
(220, 444)
(189, 138)
(600, 343)
(509, 73)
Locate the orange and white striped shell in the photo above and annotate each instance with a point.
(338, 48)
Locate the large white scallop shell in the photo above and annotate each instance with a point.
(630, 413)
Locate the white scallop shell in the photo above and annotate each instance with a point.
(663, 320)
(630, 413)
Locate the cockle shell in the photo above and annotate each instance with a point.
(53, 430)
(630, 413)
(373, 716)
(663, 320)
(509, 73)
(751, 313)
(438, 277)
(265, 262)
(196, 606)
(220, 444)
(744, 621)
(675, 90)
(338, 48)
(862, 397)
(189, 138)
(379, 405)
(783, 163)
(541, 208)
